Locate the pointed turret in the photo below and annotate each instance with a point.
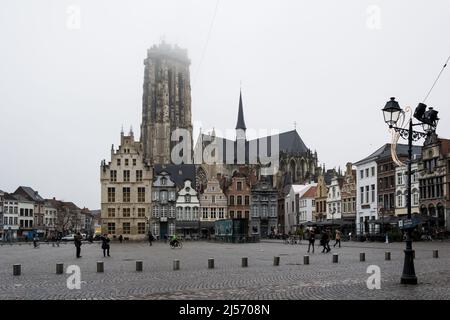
(240, 125)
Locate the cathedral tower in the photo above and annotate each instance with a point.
(166, 101)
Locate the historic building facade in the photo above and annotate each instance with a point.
(434, 181)
(125, 190)
(296, 163)
(348, 196)
(166, 101)
(307, 205)
(213, 206)
(188, 207)
(334, 199)
(387, 178)
(10, 217)
(264, 204)
(164, 197)
(401, 189)
(323, 181)
(238, 194)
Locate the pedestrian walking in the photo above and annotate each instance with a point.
(120, 238)
(77, 241)
(311, 239)
(328, 240)
(338, 239)
(324, 241)
(105, 245)
(150, 238)
(35, 241)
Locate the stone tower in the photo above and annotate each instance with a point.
(166, 101)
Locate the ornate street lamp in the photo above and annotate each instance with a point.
(428, 120)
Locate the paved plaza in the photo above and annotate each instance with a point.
(321, 279)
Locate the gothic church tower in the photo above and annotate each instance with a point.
(166, 101)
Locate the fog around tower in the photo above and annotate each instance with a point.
(72, 75)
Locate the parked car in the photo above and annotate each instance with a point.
(69, 237)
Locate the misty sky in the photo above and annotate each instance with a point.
(328, 65)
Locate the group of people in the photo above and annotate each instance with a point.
(105, 244)
(324, 240)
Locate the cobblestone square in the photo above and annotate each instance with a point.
(321, 279)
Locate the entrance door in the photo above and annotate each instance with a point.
(264, 229)
(163, 230)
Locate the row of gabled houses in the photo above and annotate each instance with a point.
(371, 196)
(24, 214)
(165, 199)
(138, 199)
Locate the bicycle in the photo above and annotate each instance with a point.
(176, 244)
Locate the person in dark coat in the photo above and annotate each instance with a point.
(120, 238)
(150, 238)
(77, 241)
(311, 239)
(324, 242)
(105, 245)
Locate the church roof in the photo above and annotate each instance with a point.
(289, 142)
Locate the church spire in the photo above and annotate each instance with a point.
(240, 122)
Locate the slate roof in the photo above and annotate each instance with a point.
(289, 142)
(29, 193)
(385, 151)
(178, 173)
(240, 122)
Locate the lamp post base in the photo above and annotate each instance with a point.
(409, 274)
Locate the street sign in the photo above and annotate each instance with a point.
(408, 223)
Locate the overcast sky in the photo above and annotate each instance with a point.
(67, 85)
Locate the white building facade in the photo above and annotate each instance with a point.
(10, 218)
(366, 195)
(334, 210)
(292, 209)
(188, 208)
(307, 206)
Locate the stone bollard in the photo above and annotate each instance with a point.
(59, 268)
(276, 261)
(100, 267)
(211, 263)
(244, 262)
(176, 264)
(139, 265)
(17, 269)
(335, 258)
(435, 254)
(387, 255)
(305, 259)
(362, 256)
